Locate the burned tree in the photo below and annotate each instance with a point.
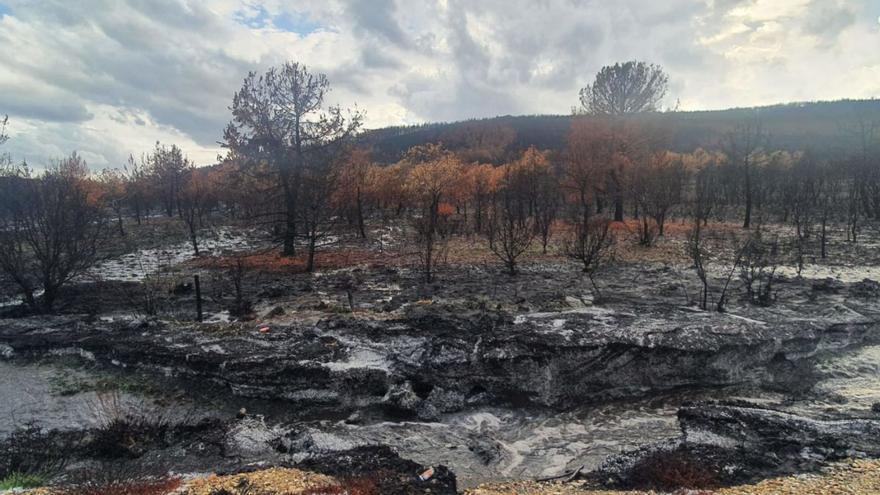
(236, 272)
(195, 200)
(354, 180)
(590, 245)
(3, 122)
(657, 188)
(702, 203)
(280, 119)
(511, 229)
(544, 194)
(168, 167)
(51, 229)
(743, 148)
(481, 184)
(317, 215)
(802, 192)
(113, 189)
(758, 264)
(625, 88)
(435, 175)
(828, 198)
(136, 185)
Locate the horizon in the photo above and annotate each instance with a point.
(38, 167)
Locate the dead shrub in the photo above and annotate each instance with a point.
(118, 479)
(759, 262)
(673, 470)
(125, 429)
(31, 451)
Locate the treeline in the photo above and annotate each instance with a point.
(305, 172)
(53, 224)
(816, 126)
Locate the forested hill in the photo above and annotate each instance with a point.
(822, 127)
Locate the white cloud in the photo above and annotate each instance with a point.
(110, 78)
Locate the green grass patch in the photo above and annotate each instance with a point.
(21, 480)
(69, 384)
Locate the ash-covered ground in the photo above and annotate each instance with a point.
(496, 377)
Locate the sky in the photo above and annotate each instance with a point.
(109, 78)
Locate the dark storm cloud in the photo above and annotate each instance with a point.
(377, 18)
(151, 56)
(375, 57)
(47, 106)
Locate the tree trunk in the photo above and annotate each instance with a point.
(310, 263)
(360, 215)
(48, 299)
(119, 222)
(289, 248)
(618, 206)
(747, 222)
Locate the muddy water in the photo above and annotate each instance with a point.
(489, 444)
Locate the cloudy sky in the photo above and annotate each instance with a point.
(111, 77)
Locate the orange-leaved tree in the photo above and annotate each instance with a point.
(435, 177)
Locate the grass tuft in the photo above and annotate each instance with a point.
(22, 480)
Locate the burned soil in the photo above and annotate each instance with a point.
(483, 376)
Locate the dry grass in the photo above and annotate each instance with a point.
(130, 487)
(275, 481)
(360, 486)
(463, 250)
(846, 478)
(860, 477)
(274, 262)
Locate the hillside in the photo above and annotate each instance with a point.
(817, 126)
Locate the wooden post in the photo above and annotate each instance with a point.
(198, 298)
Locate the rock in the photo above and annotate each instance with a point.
(750, 427)
(251, 437)
(875, 407)
(866, 289)
(401, 399)
(6, 352)
(574, 302)
(736, 442)
(354, 418)
(427, 412)
(452, 359)
(827, 285)
(273, 290)
(276, 311)
(182, 288)
(446, 401)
